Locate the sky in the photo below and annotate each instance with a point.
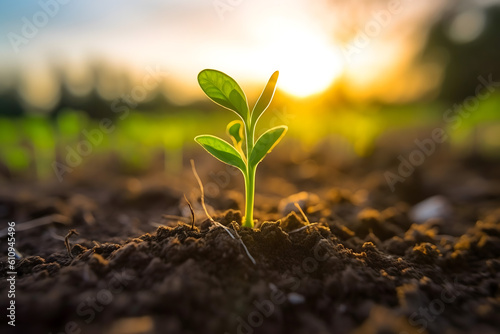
(366, 43)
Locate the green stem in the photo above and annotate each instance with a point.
(249, 180)
(250, 193)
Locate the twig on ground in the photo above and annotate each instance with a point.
(305, 218)
(53, 218)
(302, 212)
(227, 230)
(174, 217)
(193, 167)
(192, 212)
(244, 246)
(303, 228)
(66, 241)
(53, 234)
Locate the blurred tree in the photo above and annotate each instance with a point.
(467, 38)
(10, 105)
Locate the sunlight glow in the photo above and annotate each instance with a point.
(307, 61)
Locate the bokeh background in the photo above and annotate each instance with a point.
(114, 82)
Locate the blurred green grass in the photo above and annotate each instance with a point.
(30, 145)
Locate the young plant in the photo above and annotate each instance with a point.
(245, 153)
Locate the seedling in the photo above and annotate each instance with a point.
(245, 153)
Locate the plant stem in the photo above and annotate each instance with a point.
(250, 193)
(249, 179)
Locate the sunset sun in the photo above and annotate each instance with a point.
(308, 62)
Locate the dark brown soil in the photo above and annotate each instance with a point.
(366, 267)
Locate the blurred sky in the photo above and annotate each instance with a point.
(308, 41)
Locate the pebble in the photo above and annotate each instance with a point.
(433, 207)
(295, 298)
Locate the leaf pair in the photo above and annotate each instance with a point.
(228, 154)
(225, 91)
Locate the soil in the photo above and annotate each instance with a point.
(367, 262)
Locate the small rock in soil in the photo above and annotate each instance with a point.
(433, 207)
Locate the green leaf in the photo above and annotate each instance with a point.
(222, 150)
(235, 131)
(265, 98)
(224, 90)
(266, 143)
